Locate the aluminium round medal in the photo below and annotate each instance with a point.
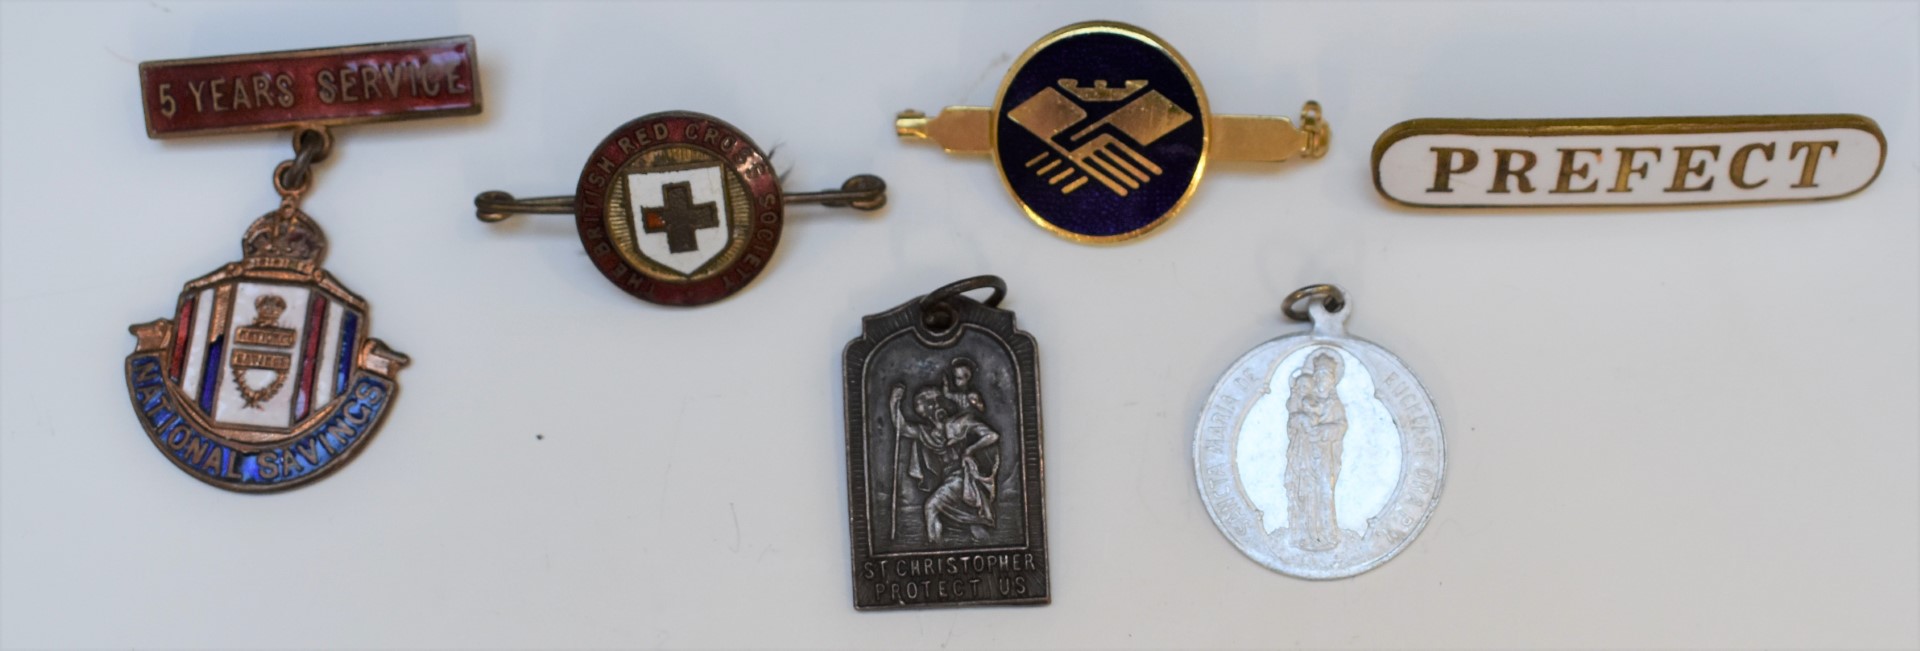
(1318, 454)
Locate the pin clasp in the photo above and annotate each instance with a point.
(1270, 138)
(957, 129)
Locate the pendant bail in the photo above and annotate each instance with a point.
(1330, 297)
(293, 177)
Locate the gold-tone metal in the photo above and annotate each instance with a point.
(957, 129)
(1129, 31)
(1269, 138)
(1260, 138)
(975, 129)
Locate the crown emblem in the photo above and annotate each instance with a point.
(284, 238)
(1100, 92)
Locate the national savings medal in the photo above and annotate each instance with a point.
(267, 376)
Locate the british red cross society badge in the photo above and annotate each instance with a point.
(680, 208)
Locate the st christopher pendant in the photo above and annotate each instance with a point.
(267, 377)
(1318, 454)
(946, 487)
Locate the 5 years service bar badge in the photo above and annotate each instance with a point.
(1101, 131)
(267, 376)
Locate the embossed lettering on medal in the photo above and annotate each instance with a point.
(1318, 454)
(1443, 163)
(1101, 131)
(680, 208)
(268, 376)
(945, 477)
(321, 87)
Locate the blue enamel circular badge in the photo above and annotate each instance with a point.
(1101, 131)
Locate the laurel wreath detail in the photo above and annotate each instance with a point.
(251, 397)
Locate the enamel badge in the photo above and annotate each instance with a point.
(680, 208)
(1101, 131)
(267, 376)
(1318, 454)
(1433, 163)
(946, 491)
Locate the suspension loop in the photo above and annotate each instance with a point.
(937, 314)
(1329, 296)
(994, 283)
(292, 178)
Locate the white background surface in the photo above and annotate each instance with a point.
(1664, 427)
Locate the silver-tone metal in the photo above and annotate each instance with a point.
(946, 482)
(1318, 454)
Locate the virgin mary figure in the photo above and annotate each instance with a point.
(1316, 426)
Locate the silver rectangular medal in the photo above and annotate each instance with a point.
(945, 478)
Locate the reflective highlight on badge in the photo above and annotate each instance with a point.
(1097, 134)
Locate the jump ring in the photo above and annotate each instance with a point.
(1329, 296)
(286, 186)
(321, 147)
(957, 288)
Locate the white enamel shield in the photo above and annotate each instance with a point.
(680, 217)
(263, 355)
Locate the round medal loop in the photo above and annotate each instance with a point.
(959, 287)
(938, 317)
(1331, 297)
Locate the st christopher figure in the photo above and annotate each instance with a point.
(948, 453)
(1316, 425)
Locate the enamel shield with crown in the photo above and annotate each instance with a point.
(266, 377)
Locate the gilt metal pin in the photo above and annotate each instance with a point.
(1101, 131)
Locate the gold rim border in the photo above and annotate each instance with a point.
(1135, 33)
(1622, 127)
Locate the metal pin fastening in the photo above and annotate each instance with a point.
(862, 192)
